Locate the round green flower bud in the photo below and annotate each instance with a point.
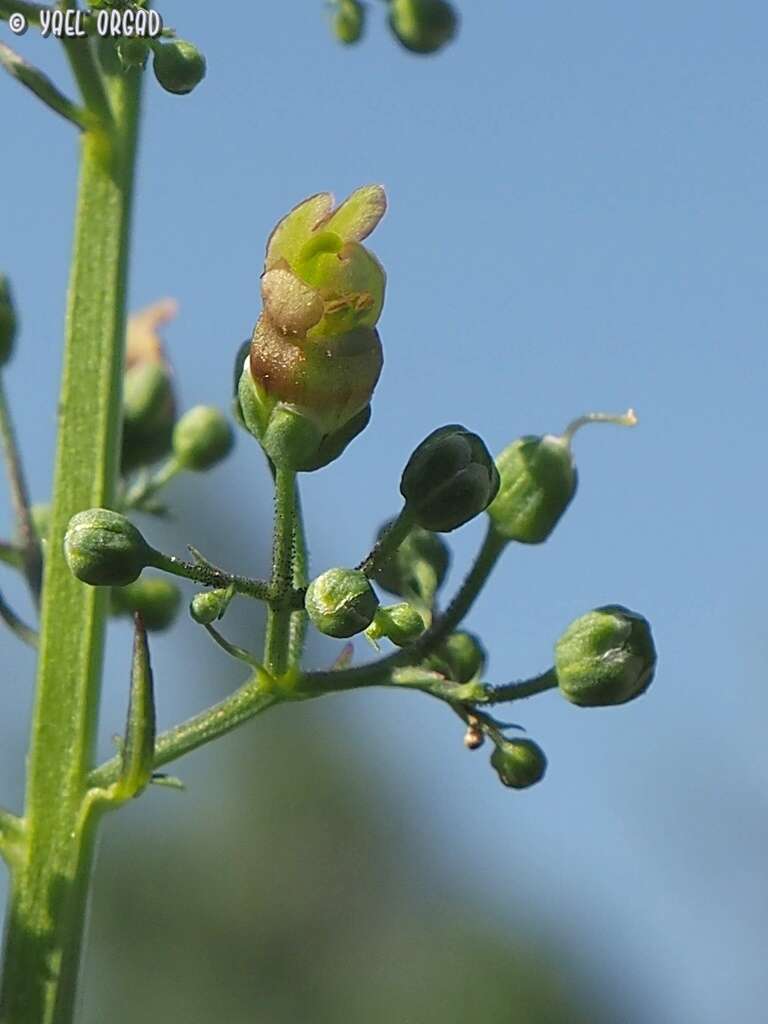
(209, 605)
(132, 52)
(418, 567)
(8, 321)
(104, 549)
(349, 21)
(341, 602)
(423, 26)
(202, 437)
(605, 657)
(538, 481)
(148, 414)
(179, 66)
(400, 623)
(461, 657)
(519, 763)
(449, 479)
(157, 601)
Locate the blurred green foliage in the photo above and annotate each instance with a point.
(287, 887)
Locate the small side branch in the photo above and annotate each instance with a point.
(42, 87)
(31, 552)
(16, 625)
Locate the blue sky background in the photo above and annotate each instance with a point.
(577, 221)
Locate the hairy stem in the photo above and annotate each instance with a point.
(279, 614)
(46, 924)
(298, 627)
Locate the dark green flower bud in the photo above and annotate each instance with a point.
(104, 549)
(418, 567)
(341, 602)
(349, 21)
(202, 437)
(519, 763)
(209, 605)
(400, 623)
(461, 657)
(423, 26)
(132, 52)
(148, 415)
(149, 405)
(538, 481)
(8, 321)
(605, 657)
(179, 66)
(449, 479)
(157, 601)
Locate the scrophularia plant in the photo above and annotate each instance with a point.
(303, 388)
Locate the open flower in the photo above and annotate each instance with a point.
(315, 353)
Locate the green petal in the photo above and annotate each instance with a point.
(293, 230)
(358, 215)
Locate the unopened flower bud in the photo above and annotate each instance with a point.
(449, 479)
(202, 437)
(133, 52)
(157, 601)
(149, 407)
(8, 320)
(400, 623)
(179, 66)
(419, 566)
(209, 605)
(104, 549)
(605, 657)
(519, 763)
(341, 602)
(423, 26)
(315, 356)
(349, 21)
(538, 481)
(461, 657)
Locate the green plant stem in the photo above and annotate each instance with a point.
(28, 540)
(387, 545)
(17, 625)
(279, 614)
(49, 889)
(526, 688)
(30, 11)
(210, 577)
(298, 628)
(256, 695)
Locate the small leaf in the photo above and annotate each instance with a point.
(138, 747)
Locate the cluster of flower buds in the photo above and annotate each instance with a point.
(315, 357)
(200, 439)
(421, 26)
